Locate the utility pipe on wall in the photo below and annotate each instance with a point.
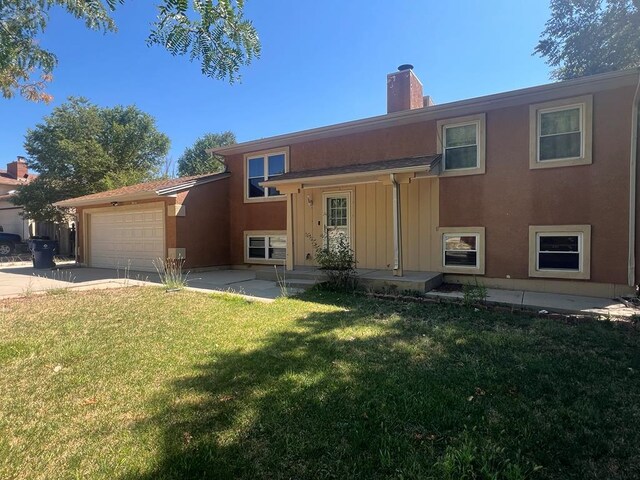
(631, 271)
(397, 228)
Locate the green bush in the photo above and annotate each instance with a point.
(338, 262)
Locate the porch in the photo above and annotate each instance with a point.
(388, 211)
(305, 277)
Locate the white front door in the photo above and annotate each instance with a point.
(337, 216)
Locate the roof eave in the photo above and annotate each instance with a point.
(346, 176)
(125, 197)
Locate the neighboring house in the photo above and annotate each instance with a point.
(16, 174)
(531, 189)
(133, 227)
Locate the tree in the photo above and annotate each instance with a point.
(214, 33)
(81, 149)
(585, 37)
(195, 160)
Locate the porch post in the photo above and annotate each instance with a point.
(397, 228)
(289, 256)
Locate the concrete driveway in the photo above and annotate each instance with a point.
(20, 280)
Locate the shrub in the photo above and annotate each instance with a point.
(338, 262)
(171, 274)
(474, 294)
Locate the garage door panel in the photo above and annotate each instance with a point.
(120, 239)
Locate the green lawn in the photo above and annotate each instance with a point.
(185, 385)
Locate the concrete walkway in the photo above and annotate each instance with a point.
(21, 280)
(549, 302)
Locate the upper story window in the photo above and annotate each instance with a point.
(460, 146)
(461, 142)
(261, 167)
(561, 133)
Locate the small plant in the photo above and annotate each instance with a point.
(171, 274)
(282, 281)
(337, 260)
(474, 294)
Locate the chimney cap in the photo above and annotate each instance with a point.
(405, 66)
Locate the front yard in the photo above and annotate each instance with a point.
(141, 384)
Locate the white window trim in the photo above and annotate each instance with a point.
(266, 234)
(350, 211)
(479, 233)
(480, 122)
(265, 155)
(583, 232)
(585, 104)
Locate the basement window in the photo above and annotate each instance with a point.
(266, 248)
(560, 251)
(462, 249)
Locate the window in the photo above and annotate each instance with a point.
(266, 248)
(461, 143)
(462, 249)
(559, 251)
(460, 146)
(260, 168)
(561, 133)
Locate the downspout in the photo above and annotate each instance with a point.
(631, 279)
(397, 228)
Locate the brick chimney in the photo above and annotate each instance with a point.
(404, 90)
(18, 168)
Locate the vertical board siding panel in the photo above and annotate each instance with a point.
(436, 258)
(413, 227)
(424, 214)
(382, 227)
(369, 260)
(360, 223)
(388, 194)
(309, 217)
(404, 217)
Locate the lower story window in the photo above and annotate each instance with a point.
(560, 251)
(462, 250)
(266, 248)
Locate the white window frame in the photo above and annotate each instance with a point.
(585, 106)
(265, 156)
(479, 121)
(479, 234)
(583, 232)
(266, 234)
(444, 249)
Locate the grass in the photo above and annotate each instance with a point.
(141, 384)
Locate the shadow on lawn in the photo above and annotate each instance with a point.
(410, 392)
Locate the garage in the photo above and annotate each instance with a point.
(127, 238)
(134, 226)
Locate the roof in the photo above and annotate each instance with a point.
(143, 191)
(399, 165)
(6, 179)
(574, 87)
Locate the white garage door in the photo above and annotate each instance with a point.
(121, 238)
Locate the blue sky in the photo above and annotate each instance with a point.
(322, 63)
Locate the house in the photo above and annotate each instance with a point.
(16, 174)
(135, 226)
(530, 189)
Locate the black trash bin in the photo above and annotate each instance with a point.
(42, 252)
